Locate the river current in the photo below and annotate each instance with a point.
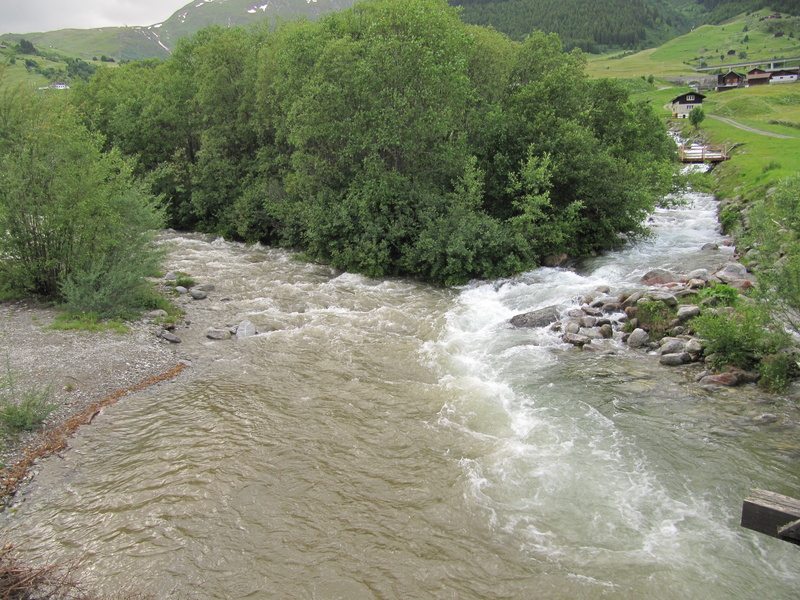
(394, 440)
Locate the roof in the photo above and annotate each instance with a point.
(682, 98)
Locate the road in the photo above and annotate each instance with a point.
(751, 129)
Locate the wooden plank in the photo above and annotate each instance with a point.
(772, 514)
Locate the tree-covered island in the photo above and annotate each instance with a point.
(388, 139)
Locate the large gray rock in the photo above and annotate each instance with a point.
(694, 346)
(733, 271)
(675, 359)
(576, 339)
(632, 299)
(170, 337)
(638, 338)
(197, 294)
(658, 277)
(666, 297)
(204, 287)
(672, 346)
(699, 274)
(245, 329)
(218, 334)
(537, 318)
(687, 311)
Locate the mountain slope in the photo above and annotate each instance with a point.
(587, 24)
(159, 39)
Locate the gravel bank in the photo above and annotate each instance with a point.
(84, 370)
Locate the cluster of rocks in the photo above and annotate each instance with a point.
(603, 315)
(244, 329)
(197, 292)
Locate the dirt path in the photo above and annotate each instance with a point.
(751, 129)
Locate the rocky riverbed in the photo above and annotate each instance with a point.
(605, 315)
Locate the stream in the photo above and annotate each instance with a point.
(395, 440)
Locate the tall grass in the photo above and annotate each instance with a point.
(23, 407)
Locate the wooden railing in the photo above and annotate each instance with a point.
(702, 154)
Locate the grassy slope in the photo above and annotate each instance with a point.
(758, 161)
(761, 161)
(705, 44)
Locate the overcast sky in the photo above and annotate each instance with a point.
(27, 16)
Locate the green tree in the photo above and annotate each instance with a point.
(697, 116)
(75, 221)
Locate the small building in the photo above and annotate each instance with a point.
(682, 105)
(730, 81)
(758, 77)
(784, 75)
(55, 86)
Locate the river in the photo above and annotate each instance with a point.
(394, 440)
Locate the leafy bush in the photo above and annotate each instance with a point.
(77, 225)
(23, 408)
(740, 337)
(777, 371)
(727, 295)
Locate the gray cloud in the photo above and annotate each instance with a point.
(27, 16)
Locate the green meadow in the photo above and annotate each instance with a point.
(758, 160)
(708, 45)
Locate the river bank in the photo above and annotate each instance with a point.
(84, 371)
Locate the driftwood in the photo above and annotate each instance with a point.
(773, 514)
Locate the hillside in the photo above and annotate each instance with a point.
(159, 39)
(597, 27)
(589, 25)
(746, 38)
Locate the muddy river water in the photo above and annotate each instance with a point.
(395, 440)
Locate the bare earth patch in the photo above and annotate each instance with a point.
(85, 371)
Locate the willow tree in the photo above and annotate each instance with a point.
(77, 226)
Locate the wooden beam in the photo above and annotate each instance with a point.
(772, 514)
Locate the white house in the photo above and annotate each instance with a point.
(681, 106)
(783, 76)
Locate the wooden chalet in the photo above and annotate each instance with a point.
(758, 77)
(730, 80)
(682, 105)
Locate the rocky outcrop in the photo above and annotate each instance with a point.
(603, 316)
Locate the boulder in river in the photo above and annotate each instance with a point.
(638, 338)
(720, 379)
(537, 318)
(218, 334)
(245, 329)
(675, 359)
(576, 339)
(658, 277)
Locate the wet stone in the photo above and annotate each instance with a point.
(676, 359)
(218, 334)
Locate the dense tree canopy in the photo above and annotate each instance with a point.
(76, 226)
(389, 139)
